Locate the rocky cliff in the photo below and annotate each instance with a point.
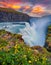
(48, 39)
(9, 15)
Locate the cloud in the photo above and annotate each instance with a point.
(27, 6)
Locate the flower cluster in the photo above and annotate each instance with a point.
(15, 52)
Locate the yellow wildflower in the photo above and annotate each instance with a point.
(16, 51)
(15, 46)
(35, 59)
(30, 61)
(18, 46)
(24, 56)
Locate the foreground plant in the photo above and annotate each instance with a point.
(13, 51)
(20, 54)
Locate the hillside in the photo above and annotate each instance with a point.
(10, 15)
(13, 50)
(48, 39)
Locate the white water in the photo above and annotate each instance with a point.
(12, 27)
(35, 33)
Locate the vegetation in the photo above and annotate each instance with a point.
(48, 39)
(13, 51)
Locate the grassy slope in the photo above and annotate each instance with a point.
(48, 39)
(13, 47)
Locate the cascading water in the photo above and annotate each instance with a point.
(35, 33)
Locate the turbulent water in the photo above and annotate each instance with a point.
(12, 27)
(33, 33)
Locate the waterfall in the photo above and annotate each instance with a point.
(34, 33)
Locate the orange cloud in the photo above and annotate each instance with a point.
(34, 10)
(38, 9)
(26, 8)
(16, 7)
(7, 5)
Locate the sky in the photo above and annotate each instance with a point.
(31, 7)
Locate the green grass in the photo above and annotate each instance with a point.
(17, 53)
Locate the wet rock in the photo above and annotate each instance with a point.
(39, 49)
(48, 40)
(48, 46)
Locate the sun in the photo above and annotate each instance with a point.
(16, 7)
(38, 9)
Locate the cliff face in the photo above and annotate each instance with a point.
(48, 39)
(9, 15)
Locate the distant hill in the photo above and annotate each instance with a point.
(10, 15)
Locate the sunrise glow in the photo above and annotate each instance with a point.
(16, 7)
(30, 9)
(26, 8)
(38, 9)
